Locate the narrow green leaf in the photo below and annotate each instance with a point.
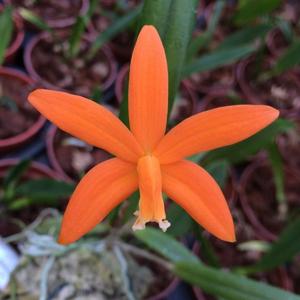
(243, 150)
(75, 37)
(44, 189)
(181, 222)
(219, 170)
(15, 173)
(283, 250)
(217, 59)
(248, 11)
(165, 245)
(204, 39)
(118, 26)
(32, 18)
(6, 30)
(245, 36)
(78, 29)
(228, 285)
(155, 12)
(289, 59)
(277, 167)
(177, 37)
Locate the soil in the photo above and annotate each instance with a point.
(215, 82)
(79, 76)
(16, 114)
(76, 160)
(281, 92)
(51, 9)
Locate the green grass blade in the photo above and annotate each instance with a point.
(178, 34)
(217, 59)
(228, 285)
(118, 26)
(165, 245)
(6, 30)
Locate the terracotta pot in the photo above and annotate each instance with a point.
(61, 157)
(53, 21)
(258, 199)
(281, 92)
(185, 107)
(17, 39)
(20, 82)
(35, 171)
(107, 76)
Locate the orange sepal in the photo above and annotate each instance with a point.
(87, 121)
(100, 190)
(148, 89)
(197, 192)
(213, 129)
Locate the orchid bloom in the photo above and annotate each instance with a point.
(146, 158)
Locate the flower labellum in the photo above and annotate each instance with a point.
(147, 158)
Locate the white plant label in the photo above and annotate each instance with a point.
(9, 260)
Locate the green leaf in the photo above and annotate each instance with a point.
(155, 12)
(44, 189)
(6, 30)
(219, 171)
(249, 11)
(177, 37)
(118, 26)
(32, 18)
(283, 250)
(289, 59)
(204, 39)
(228, 285)
(218, 58)
(245, 36)
(165, 245)
(277, 167)
(78, 29)
(243, 150)
(181, 222)
(15, 173)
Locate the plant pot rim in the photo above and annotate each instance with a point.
(14, 141)
(262, 232)
(66, 22)
(34, 165)
(112, 64)
(52, 155)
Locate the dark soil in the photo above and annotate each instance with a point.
(281, 92)
(76, 160)
(78, 75)
(214, 82)
(259, 190)
(16, 114)
(51, 9)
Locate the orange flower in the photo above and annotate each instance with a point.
(146, 157)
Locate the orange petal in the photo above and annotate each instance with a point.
(148, 89)
(100, 190)
(88, 121)
(213, 129)
(197, 192)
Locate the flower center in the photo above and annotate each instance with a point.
(151, 204)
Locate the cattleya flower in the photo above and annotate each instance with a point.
(146, 158)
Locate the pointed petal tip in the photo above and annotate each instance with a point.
(65, 240)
